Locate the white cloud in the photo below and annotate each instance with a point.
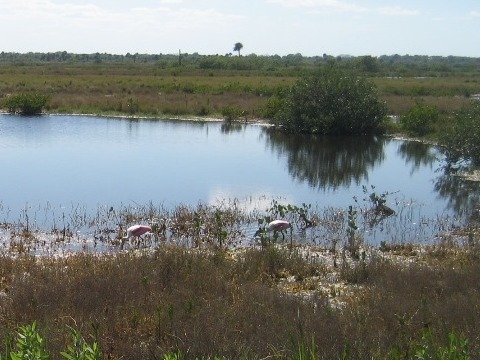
(475, 13)
(397, 11)
(320, 5)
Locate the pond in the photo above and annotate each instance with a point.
(53, 165)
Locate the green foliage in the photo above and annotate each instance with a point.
(81, 350)
(173, 356)
(26, 103)
(457, 349)
(304, 351)
(30, 345)
(351, 229)
(419, 120)
(231, 112)
(272, 106)
(332, 101)
(462, 140)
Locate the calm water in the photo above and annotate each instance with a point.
(62, 162)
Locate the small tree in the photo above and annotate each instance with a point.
(238, 46)
(332, 101)
(462, 139)
(419, 120)
(25, 104)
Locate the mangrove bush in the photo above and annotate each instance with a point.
(25, 103)
(419, 120)
(331, 101)
(462, 139)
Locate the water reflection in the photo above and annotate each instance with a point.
(230, 127)
(328, 162)
(184, 162)
(462, 196)
(418, 155)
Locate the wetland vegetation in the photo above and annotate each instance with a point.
(194, 292)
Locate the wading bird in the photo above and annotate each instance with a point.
(275, 226)
(135, 231)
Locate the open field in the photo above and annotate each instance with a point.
(150, 90)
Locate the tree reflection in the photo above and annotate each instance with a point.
(230, 127)
(417, 154)
(462, 195)
(328, 162)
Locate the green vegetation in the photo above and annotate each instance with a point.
(462, 137)
(160, 85)
(419, 120)
(30, 345)
(332, 102)
(25, 104)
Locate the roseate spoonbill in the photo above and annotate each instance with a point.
(275, 226)
(136, 231)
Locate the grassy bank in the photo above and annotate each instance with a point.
(151, 90)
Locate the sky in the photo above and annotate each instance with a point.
(264, 27)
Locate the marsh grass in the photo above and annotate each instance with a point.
(206, 304)
(107, 88)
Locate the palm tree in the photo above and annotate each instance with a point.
(238, 47)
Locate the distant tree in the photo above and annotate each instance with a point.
(368, 64)
(238, 46)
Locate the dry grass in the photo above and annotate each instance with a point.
(205, 304)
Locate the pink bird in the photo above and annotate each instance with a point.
(275, 226)
(136, 231)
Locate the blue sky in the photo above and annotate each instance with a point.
(264, 27)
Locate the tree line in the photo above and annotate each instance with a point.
(398, 64)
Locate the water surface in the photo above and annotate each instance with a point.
(66, 162)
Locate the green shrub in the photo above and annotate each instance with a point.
(462, 139)
(456, 349)
(272, 106)
(419, 120)
(81, 350)
(26, 104)
(30, 345)
(332, 101)
(231, 112)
